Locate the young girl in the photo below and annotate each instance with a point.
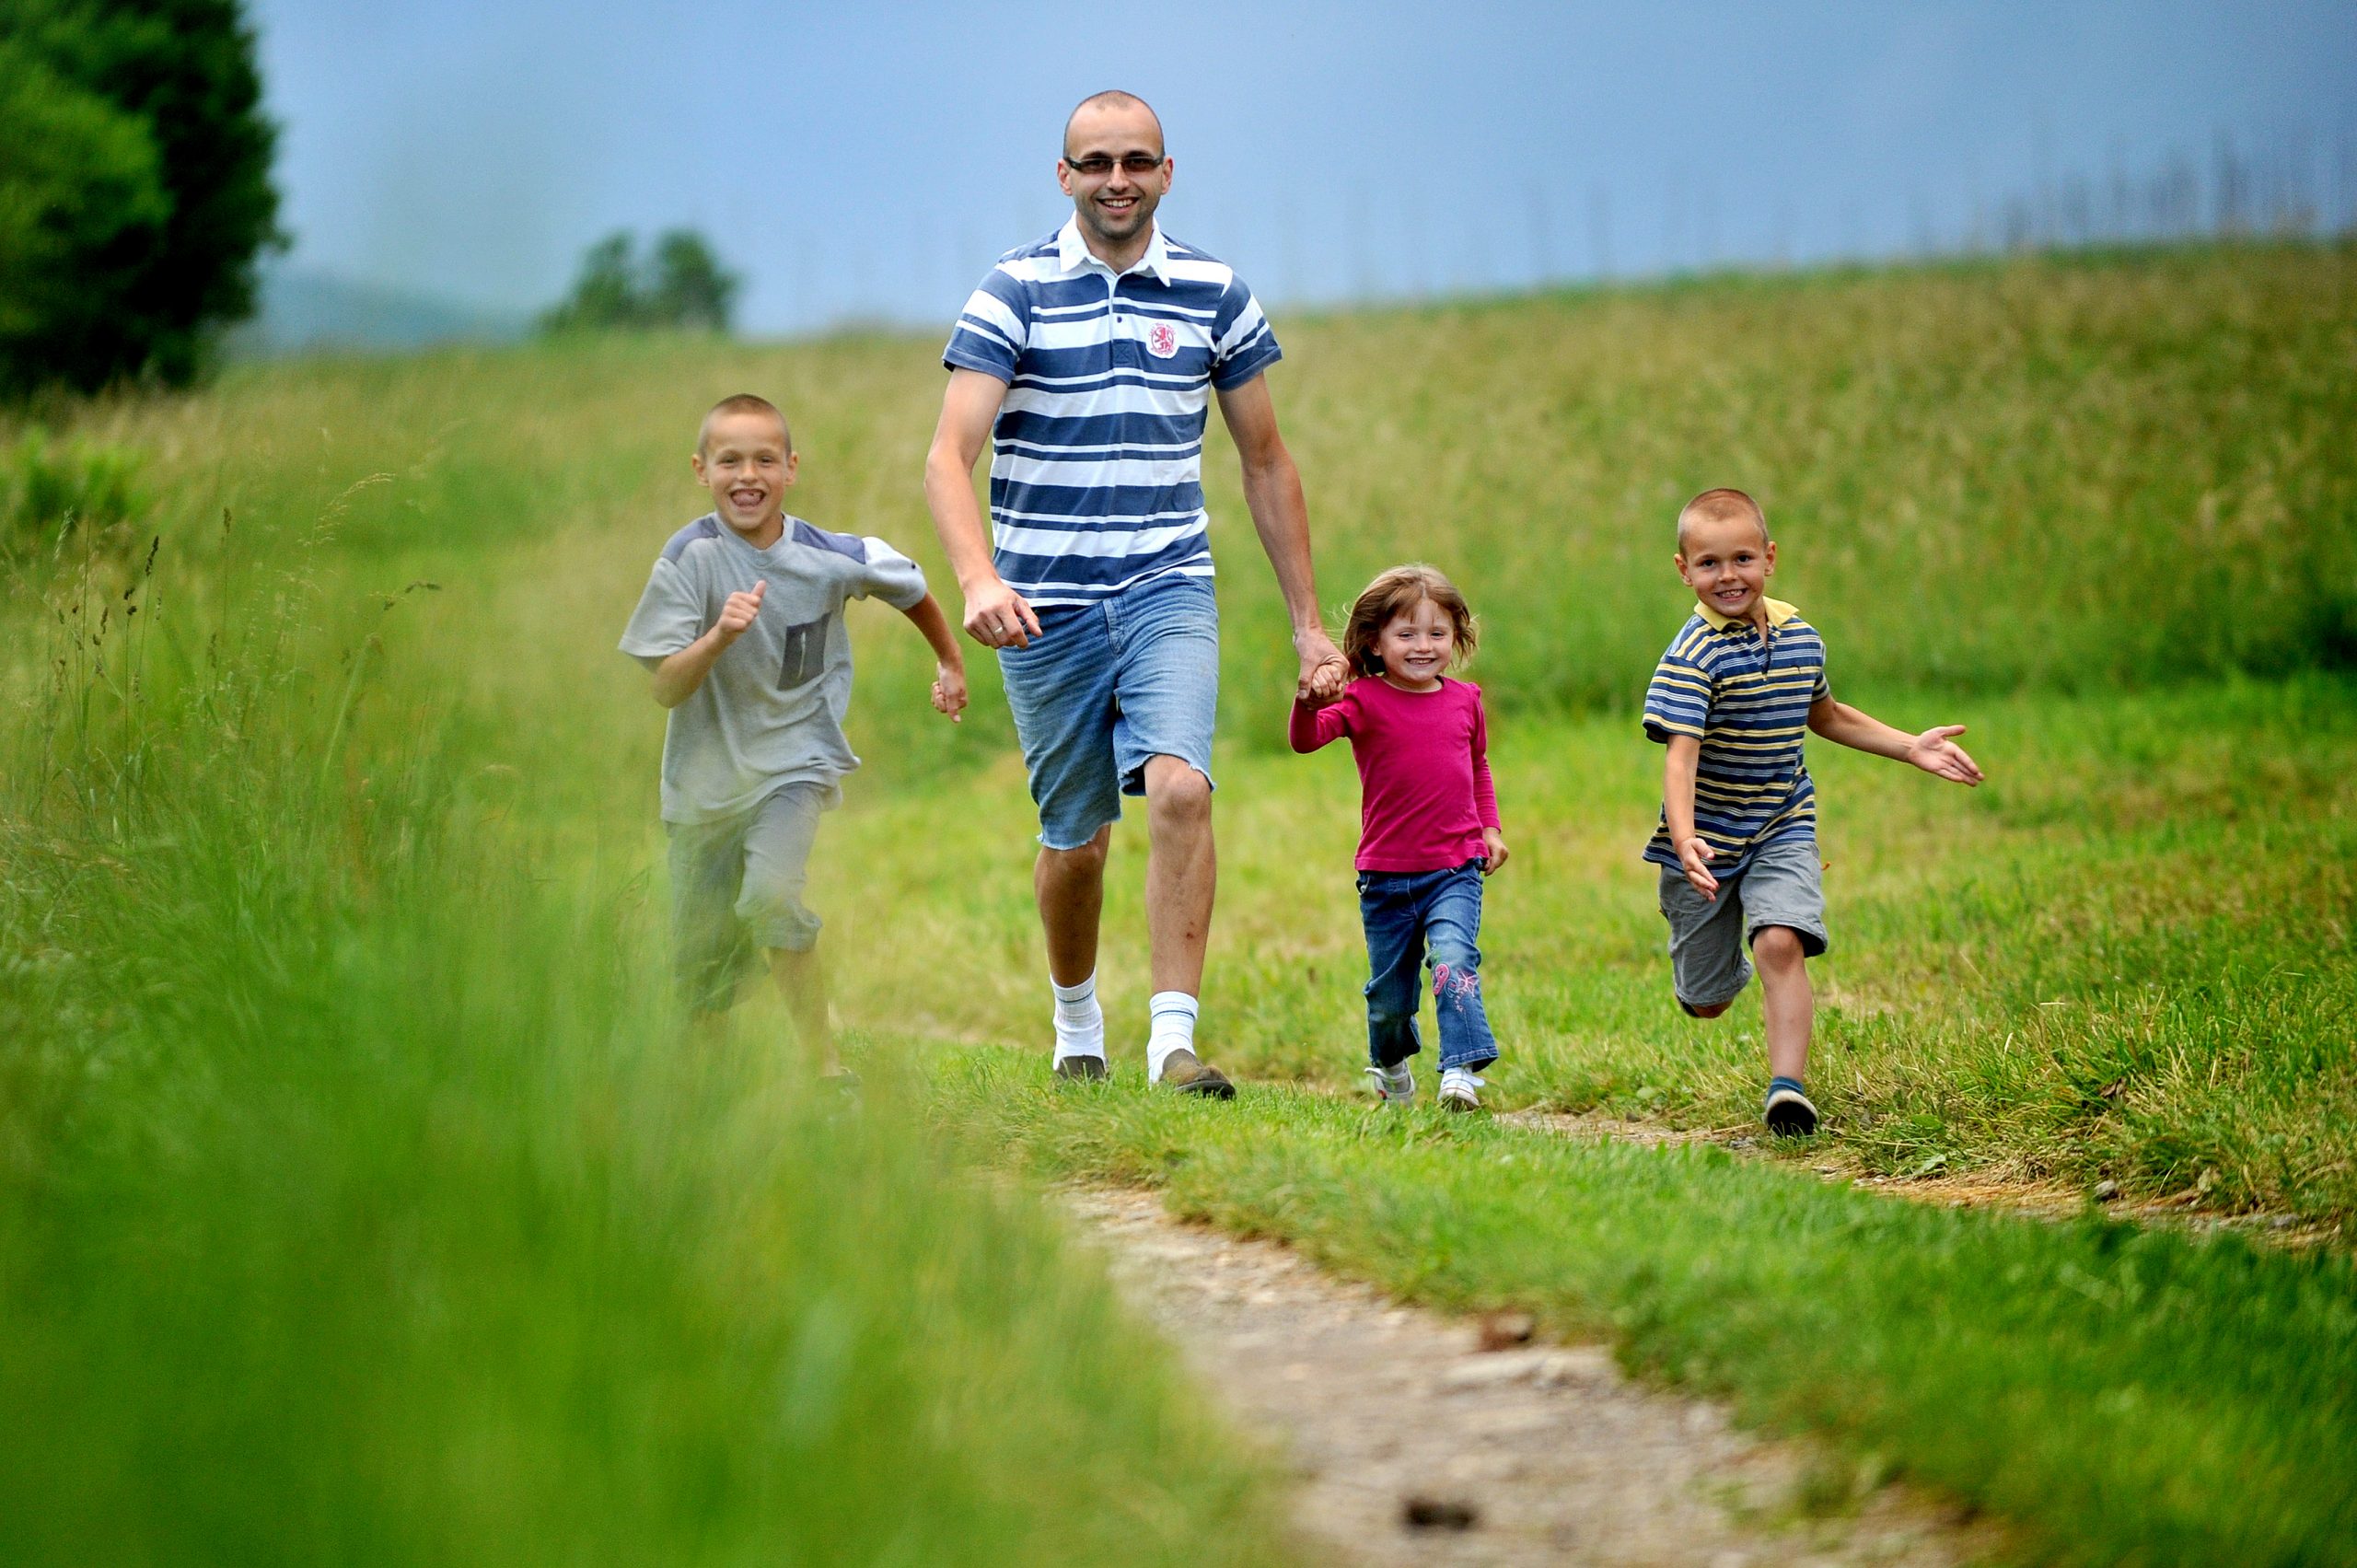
(1428, 822)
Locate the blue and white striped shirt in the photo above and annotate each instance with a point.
(1746, 701)
(1097, 456)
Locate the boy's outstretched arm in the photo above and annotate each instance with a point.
(1694, 856)
(677, 677)
(949, 662)
(1936, 750)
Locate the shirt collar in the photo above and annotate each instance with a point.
(1072, 253)
(1778, 613)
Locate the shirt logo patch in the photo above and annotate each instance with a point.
(806, 654)
(1162, 342)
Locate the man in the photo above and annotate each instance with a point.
(1091, 356)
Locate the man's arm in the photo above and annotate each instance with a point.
(1935, 751)
(996, 616)
(950, 661)
(1694, 855)
(1272, 492)
(677, 677)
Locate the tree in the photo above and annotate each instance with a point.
(682, 286)
(82, 207)
(144, 289)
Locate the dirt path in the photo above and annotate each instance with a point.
(1414, 1444)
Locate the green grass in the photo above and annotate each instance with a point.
(360, 1201)
(2128, 956)
(2122, 1395)
(355, 1199)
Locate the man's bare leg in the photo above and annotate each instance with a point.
(802, 980)
(1181, 873)
(1070, 886)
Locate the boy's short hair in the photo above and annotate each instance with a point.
(1393, 593)
(1721, 505)
(742, 402)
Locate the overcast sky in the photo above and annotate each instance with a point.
(870, 160)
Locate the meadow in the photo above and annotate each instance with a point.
(357, 1199)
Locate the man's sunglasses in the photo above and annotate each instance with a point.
(1096, 165)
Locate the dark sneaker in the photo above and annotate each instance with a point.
(1088, 1067)
(1790, 1113)
(1182, 1072)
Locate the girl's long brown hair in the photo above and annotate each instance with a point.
(1392, 593)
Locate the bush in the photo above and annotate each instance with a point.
(48, 488)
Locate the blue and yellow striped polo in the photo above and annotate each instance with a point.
(1746, 698)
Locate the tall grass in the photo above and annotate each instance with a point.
(359, 1200)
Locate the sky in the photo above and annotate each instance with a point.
(867, 162)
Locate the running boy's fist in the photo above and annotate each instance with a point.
(739, 613)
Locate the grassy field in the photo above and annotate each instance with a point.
(2119, 1394)
(356, 1200)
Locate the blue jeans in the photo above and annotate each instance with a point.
(1106, 686)
(1409, 914)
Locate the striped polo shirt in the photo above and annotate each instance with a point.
(1097, 455)
(1746, 700)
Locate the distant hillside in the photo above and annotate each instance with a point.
(302, 310)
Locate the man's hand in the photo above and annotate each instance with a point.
(1494, 842)
(998, 617)
(739, 613)
(1324, 670)
(949, 691)
(1694, 858)
(1936, 753)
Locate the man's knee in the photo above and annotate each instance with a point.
(1777, 948)
(1177, 793)
(1086, 860)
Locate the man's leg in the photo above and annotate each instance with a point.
(1181, 872)
(1070, 886)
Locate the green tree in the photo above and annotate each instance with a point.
(145, 288)
(681, 285)
(82, 208)
(690, 288)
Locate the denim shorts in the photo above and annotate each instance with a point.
(1781, 884)
(736, 887)
(1106, 686)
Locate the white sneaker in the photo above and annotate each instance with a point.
(1394, 1084)
(1460, 1089)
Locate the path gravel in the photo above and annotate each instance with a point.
(1413, 1445)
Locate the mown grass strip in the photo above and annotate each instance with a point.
(2124, 1395)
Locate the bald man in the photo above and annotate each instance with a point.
(1090, 358)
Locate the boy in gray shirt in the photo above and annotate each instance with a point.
(742, 626)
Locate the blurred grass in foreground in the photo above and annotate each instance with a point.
(358, 1201)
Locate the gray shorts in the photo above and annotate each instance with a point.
(736, 888)
(1781, 885)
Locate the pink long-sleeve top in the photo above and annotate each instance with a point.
(1423, 760)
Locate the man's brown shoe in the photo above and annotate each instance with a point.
(1088, 1067)
(1183, 1074)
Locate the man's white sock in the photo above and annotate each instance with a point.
(1080, 1022)
(1173, 1029)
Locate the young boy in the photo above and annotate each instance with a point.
(1742, 683)
(742, 626)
